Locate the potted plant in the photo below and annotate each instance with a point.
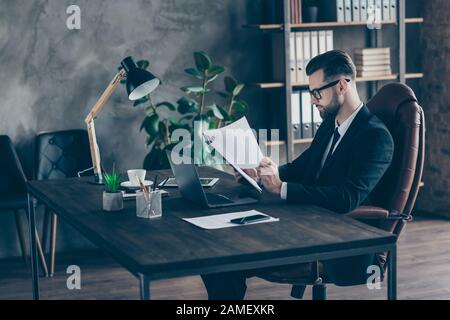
(311, 10)
(112, 197)
(162, 118)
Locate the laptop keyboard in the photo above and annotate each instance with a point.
(214, 199)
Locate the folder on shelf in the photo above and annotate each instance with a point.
(393, 9)
(314, 43)
(322, 42)
(363, 10)
(292, 58)
(355, 10)
(306, 120)
(329, 40)
(306, 54)
(340, 17)
(317, 119)
(378, 10)
(295, 115)
(348, 10)
(386, 9)
(299, 56)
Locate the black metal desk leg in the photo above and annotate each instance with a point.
(144, 285)
(392, 274)
(33, 250)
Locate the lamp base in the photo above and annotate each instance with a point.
(98, 179)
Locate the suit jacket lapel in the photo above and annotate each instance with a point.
(349, 135)
(321, 141)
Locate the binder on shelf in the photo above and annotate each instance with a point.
(306, 120)
(363, 10)
(317, 119)
(322, 42)
(314, 44)
(293, 58)
(329, 40)
(348, 10)
(298, 56)
(393, 9)
(386, 9)
(295, 115)
(340, 11)
(355, 10)
(378, 10)
(306, 54)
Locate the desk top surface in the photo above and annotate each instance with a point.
(169, 243)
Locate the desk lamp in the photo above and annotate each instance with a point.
(139, 83)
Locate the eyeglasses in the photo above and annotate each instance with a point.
(316, 92)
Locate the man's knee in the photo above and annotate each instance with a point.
(225, 286)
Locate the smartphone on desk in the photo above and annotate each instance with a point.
(250, 219)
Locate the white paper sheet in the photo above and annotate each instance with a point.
(220, 221)
(237, 144)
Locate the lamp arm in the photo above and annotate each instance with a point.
(96, 109)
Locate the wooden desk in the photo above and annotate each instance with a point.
(170, 247)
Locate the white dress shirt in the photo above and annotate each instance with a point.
(342, 129)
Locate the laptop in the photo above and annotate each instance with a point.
(191, 188)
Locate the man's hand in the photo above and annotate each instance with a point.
(252, 173)
(268, 172)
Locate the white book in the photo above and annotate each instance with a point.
(322, 42)
(356, 10)
(386, 9)
(380, 57)
(372, 51)
(317, 120)
(299, 56)
(372, 63)
(329, 40)
(373, 68)
(393, 9)
(363, 10)
(348, 10)
(374, 73)
(314, 44)
(306, 54)
(292, 58)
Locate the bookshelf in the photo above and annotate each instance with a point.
(373, 38)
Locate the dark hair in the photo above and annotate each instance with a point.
(334, 63)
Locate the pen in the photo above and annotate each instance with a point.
(164, 182)
(154, 183)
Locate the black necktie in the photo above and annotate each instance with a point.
(336, 137)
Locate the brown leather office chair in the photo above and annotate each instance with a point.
(394, 196)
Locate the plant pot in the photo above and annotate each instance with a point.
(311, 14)
(112, 201)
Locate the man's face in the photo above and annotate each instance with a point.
(329, 104)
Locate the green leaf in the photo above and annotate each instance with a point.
(202, 61)
(143, 64)
(151, 124)
(223, 94)
(215, 70)
(174, 124)
(140, 101)
(238, 89)
(195, 90)
(188, 117)
(230, 84)
(240, 107)
(218, 112)
(211, 79)
(169, 106)
(186, 105)
(194, 72)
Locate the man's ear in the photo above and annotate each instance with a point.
(343, 86)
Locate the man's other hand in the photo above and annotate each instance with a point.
(252, 173)
(268, 173)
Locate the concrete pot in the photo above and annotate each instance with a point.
(112, 201)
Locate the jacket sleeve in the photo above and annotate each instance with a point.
(287, 173)
(369, 163)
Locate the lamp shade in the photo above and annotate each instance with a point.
(139, 82)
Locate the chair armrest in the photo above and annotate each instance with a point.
(369, 212)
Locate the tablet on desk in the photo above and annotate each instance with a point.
(206, 182)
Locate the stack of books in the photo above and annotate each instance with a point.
(373, 62)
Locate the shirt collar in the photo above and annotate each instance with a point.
(342, 129)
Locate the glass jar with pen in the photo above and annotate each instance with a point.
(148, 203)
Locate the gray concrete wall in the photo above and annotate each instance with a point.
(50, 76)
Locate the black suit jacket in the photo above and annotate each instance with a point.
(359, 161)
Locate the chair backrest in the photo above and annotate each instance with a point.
(61, 154)
(12, 177)
(396, 105)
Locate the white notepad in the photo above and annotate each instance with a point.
(220, 221)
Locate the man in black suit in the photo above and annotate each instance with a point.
(348, 156)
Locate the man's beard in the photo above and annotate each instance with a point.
(330, 111)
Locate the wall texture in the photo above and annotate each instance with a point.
(435, 197)
(51, 76)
